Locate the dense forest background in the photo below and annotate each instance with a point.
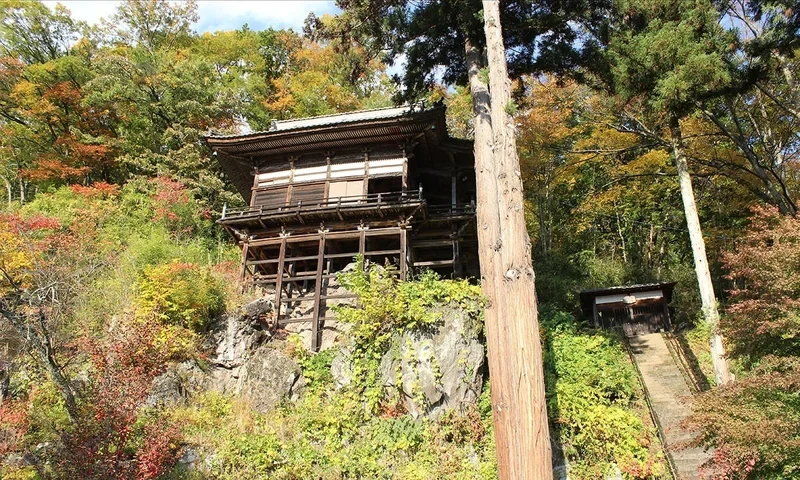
(112, 266)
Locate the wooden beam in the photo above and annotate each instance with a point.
(382, 252)
(243, 270)
(403, 252)
(453, 181)
(365, 186)
(434, 263)
(317, 293)
(279, 279)
(458, 269)
(404, 180)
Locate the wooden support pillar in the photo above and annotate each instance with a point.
(453, 196)
(405, 172)
(594, 314)
(365, 187)
(453, 181)
(279, 280)
(362, 242)
(315, 323)
(458, 271)
(667, 320)
(243, 271)
(403, 249)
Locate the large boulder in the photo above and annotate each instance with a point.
(436, 369)
(267, 377)
(243, 362)
(237, 335)
(176, 384)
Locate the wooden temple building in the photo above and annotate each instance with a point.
(635, 309)
(387, 184)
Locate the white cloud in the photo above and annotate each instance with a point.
(87, 11)
(222, 15)
(218, 15)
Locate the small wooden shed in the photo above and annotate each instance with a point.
(636, 309)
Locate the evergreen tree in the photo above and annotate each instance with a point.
(671, 55)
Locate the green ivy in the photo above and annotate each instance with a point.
(387, 306)
(328, 433)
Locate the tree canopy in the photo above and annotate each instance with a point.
(111, 267)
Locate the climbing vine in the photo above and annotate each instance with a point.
(386, 306)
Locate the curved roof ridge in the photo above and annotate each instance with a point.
(332, 119)
(409, 106)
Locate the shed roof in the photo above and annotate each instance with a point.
(587, 296)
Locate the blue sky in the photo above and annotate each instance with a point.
(219, 15)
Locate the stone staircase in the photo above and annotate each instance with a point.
(668, 392)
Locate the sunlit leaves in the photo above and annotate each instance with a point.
(764, 316)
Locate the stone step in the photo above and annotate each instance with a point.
(668, 394)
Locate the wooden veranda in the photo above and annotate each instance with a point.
(389, 185)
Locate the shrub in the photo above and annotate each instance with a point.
(592, 392)
(754, 423)
(113, 435)
(167, 203)
(248, 456)
(764, 315)
(182, 294)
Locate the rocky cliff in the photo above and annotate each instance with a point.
(433, 370)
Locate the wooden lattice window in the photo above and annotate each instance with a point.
(309, 194)
(273, 197)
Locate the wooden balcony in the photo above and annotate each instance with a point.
(343, 209)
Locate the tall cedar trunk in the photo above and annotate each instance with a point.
(512, 329)
(488, 221)
(707, 296)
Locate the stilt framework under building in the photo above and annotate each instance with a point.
(389, 185)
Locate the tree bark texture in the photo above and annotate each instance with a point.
(512, 330)
(707, 297)
(43, 351)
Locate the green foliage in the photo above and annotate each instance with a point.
(48, 417)
(357, 431)
(183, 294)
(255, 456)
(329, 435)
(593, 398)
(388, 306)
(673, 52)
(316, 367)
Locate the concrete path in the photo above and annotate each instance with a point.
(668, 393)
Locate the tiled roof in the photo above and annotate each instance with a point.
(587, 296)
(628, 288)
(334, 119)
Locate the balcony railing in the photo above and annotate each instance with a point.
(457, 210)
(372, 200)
